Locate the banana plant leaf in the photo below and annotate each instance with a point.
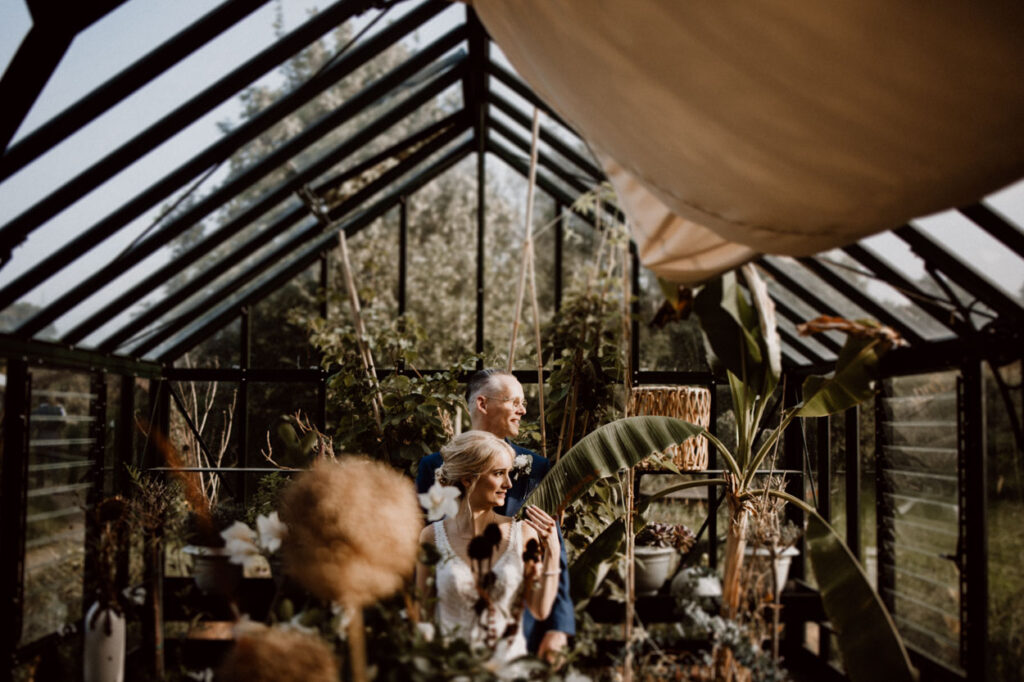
(850, 384)
(615, 446)
(868, 640)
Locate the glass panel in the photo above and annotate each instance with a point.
(809, 281)
(1005, 541)
(868, 493)
(278, 332)
(837, 481)
(268, 402)
(59, 471)
(799, 310)
(891, 249)
(894, 301)
(212, 439)
(982, 252)
(921, 512)
(441, 249)
(221, 349)
(503, 263)
(677, 344)
(14, 26)
(1010, 202)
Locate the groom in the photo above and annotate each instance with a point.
(496, 404)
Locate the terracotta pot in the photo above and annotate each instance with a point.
(653, 567)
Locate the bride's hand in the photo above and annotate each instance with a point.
(545, 526)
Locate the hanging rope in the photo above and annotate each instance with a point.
(315, 207)
(527, 273)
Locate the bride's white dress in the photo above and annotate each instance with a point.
(456, 595)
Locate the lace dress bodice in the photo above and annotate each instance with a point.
(457, 593)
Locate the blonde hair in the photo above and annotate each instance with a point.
(468, 455)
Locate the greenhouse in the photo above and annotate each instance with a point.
(713, 314)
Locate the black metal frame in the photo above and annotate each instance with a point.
(563, 173)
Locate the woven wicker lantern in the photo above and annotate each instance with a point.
(689, 403)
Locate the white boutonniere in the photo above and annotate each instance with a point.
(522, 466)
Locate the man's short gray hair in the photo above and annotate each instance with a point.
(482, 380)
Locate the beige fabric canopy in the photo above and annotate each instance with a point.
(777, 126)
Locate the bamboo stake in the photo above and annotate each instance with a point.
(316, 208)
(527, 239)
(627, 634)
(540, 357)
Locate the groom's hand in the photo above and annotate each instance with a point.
(553, 647)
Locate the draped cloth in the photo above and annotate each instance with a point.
(730, 129)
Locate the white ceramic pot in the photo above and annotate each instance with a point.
(213, 571)
(653, 567)
(707, 586)
(783, 559)
(103, 656)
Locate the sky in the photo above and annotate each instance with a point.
(137, 26)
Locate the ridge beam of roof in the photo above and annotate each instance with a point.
(353, 106)
(549, 138)
(14, 232)
(554, 191)
(311, 232)
(996, 225)
(523, 90)
(963, 274)
(860, 298)
(311, 253)
(54, 26)
(265, 204)
(886, 273)
(120, 86)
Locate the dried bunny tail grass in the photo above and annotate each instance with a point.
(353, 530)
(265, 654)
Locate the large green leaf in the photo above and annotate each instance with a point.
(615, 446)
(871, 646)
(729, 325)
(851, 382)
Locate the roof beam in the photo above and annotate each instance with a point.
(311, 253)
(524, 145)
(355, 105)
(556, 192)
(265, 204)
(520, 88)
(54, 26)
(860, 298)
(117, 88)
(800, 347)
(996, 225)
(32, 218)
(961, 273)
(885, 272)
(549, 138)
(311, 232)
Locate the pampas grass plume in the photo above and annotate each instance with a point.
(353, 530)
(275, 654)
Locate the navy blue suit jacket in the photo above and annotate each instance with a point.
(562, 618)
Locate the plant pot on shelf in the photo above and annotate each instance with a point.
(104, 650)
(654, 565)
(783, 559)
(213, 571)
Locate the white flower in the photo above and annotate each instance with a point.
(523, 465)
(296, 624)
(238, 531)
(427, 630)
(440, 501)
(576, 676)
(200, 675)
(272, 531)
(243, 552)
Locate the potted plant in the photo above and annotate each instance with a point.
(212, 569)
(658, 548)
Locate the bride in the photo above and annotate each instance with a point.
(471, 604)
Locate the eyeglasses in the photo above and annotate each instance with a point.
(516, 402)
